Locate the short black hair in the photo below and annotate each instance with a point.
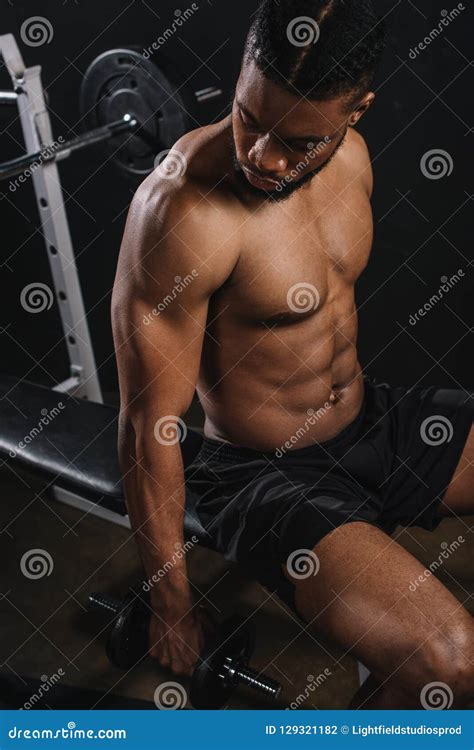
(318, 48)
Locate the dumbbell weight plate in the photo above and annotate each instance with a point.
(236, 639)
(128, 641)
(122, 81)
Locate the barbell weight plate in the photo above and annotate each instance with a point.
(128, 641)
(122, 81)
(236, 639)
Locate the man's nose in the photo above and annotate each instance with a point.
(266, 154)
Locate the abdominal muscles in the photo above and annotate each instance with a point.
(293, 381)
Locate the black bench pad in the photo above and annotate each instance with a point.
(70, 441)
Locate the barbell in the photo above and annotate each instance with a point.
(131, 104)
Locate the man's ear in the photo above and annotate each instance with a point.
(362, 107)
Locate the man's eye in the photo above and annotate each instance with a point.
(311, 148)
(298, 147)
(247, 122)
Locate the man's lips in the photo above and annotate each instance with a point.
(264, 183)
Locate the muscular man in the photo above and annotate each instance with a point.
(236, 279)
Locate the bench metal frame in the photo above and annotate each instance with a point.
(68, 497)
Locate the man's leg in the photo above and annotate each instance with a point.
(459, 497)
(361, 599)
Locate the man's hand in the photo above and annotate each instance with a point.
(178, 639)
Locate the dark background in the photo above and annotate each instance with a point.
(421, 224)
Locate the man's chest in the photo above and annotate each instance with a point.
(295, 261)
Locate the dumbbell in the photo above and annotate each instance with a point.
(222, 666)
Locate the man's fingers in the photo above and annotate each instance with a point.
(179, 648)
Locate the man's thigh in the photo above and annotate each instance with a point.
(374, 600)
(459, 497)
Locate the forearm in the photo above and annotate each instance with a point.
(153, 478)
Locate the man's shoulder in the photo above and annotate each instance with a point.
(191, 175)
(358, 143)
(198, 158)
(357, 159)
(179, 215)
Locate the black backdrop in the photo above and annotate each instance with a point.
(422, 231)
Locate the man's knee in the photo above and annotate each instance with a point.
(440, 673)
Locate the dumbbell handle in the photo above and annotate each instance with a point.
(105, 602)
(232, 671)
(237, 672)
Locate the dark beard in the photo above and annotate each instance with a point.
(287, 188)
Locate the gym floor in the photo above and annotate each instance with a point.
(46, 625)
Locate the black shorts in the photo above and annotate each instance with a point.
(389, 467)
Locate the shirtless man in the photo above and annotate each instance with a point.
(252, 234)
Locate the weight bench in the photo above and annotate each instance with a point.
(72, 443)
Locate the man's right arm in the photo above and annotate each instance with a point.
(166, 273)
